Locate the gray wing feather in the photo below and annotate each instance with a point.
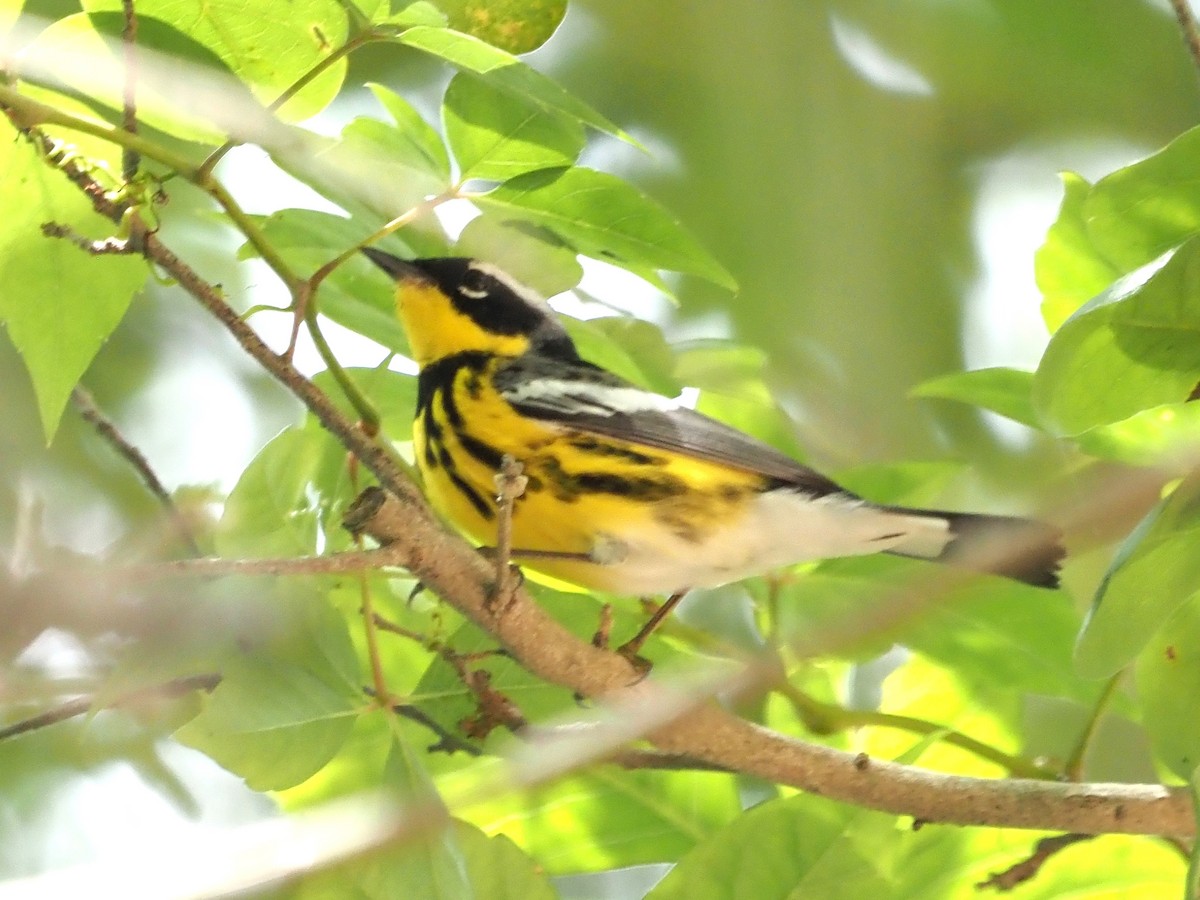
(586, 398)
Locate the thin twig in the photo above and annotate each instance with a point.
(1073, 767)
(104, 426)
(130, 160)
(1188, 27)
(1027, 868)
(175, 688)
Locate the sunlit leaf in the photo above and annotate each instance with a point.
(1068, 267)
(1168, 682)
(517, 26)
(267, 45)
(497, 135)
(1132, 348)
(58, 304)
(803, 846)
(505, 71)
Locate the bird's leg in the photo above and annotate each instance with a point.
(632, 647)
(510, 484)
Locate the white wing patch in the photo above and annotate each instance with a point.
(581, 398)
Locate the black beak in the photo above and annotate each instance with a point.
(397, 268)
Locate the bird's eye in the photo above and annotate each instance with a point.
(474, 284)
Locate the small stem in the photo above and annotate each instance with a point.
(106, 429)
(1073, 768)
(129, 157)
(1189, 28)
(78, 707)
(382, 694)
(30, 112)
(205, 169)
(825, 718)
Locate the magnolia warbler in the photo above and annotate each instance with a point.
(626, 490)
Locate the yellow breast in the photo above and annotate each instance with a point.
(594, 496)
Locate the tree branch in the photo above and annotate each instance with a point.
(693, 726)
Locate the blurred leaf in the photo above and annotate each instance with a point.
(803, 846)
(731, 379)
(1001, 390)
(517, 26)
(431, 863)
(530, 254)
(1168, 682)
(989, 630)
(505, 71)
(1154, 572)
(1162, 436)
(58, 304)
(356, 295)
(91, 42)
(494, 869)
(412, 128)
(1133, 347)
(373, 170)
(607, 817)
(1139, 212)
(602, 216)
(497, 135)
(1069, 270)
(634, 349)
(267, 45)
(922, 484)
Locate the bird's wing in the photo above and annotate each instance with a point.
(589, 399)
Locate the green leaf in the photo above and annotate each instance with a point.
(505, 71)
(733, 389)
(374, 170)
(1068, 267)
(354, 295)
(274, 510)
(496, 135)
(989, 629)
(97, 36)
(1168, 682)
(602, 216)
(273, 723)
(517, 26)
(530, 254)
(412, 128)
(804, 846)
(1132, 348)
(393, 393)
(630, 347)
(1139, 212)
(1002, 390)
(266, 44)
(1154, 572)
(58, 304)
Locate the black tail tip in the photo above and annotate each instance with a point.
(1025, 550)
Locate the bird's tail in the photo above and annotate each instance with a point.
(1023, 549)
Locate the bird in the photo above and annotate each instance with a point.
(624, 490)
